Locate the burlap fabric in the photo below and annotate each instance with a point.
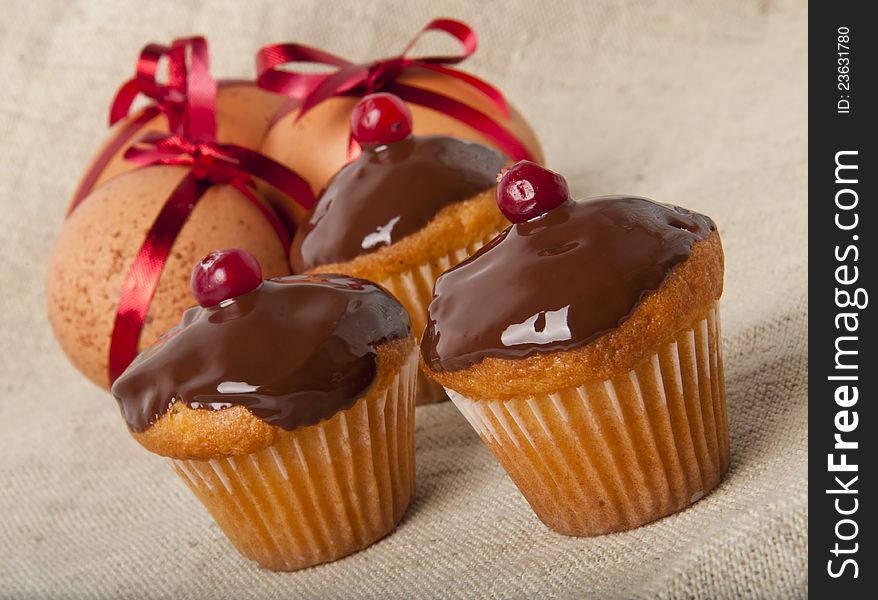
(697, 103)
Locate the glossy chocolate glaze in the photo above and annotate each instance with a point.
(294, 351)
(558, 281)
(389, 192)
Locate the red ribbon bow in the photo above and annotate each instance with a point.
(307, 90)
(188, 99)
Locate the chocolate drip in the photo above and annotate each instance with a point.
(558, 281)
(389, 192)
(294, 351)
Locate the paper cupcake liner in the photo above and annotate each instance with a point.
(617, 454)
(414, 290)
(320, 492)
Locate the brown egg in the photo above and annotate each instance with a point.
(316, 146)
(243, 112)
(99, 241)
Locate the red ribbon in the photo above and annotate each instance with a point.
(187, 101)
(189, 96)
(307, 90)
(224, 163)
(211, 163)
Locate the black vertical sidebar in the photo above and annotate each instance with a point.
(843, 299)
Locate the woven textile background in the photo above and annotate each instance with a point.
(697, 103)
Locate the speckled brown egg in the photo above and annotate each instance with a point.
(316, 146)
(99, 241)
(243, 112)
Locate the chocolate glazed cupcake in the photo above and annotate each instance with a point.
(287, 409)
(593, 370)
(407, 209)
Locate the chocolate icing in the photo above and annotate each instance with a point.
(557, 281)
(389, 192)
(293, 352)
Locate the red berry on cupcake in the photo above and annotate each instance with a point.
(527, 190)
(224, 274)
(381, 119)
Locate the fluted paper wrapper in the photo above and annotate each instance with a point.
(321, 492)
(617, 454)
(414, 290)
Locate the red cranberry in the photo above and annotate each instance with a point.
(527, 190)
(381, 118)
(224, 274)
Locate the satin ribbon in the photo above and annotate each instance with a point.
(210, 163)
(186, 100)
(189, 96)
(307, 90)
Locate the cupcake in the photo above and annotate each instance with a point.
(287, 407)
(407, 209)
(583, 345)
